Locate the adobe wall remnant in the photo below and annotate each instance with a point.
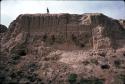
(89, 30)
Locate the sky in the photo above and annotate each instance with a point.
(11, 9)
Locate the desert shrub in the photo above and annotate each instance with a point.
(95, 61)
(18, 53)
(85, 81)
(44, 37)
(32, 77)
(52, 39)
(13, 75)
(122, 77)
(32, 67)
(91, 81)
(99, 81)
(79, 40)
(103, 54)
(72, 78)
(117, 63)
(60, 38)
(75, 39)
(15, 56)
(12, 61)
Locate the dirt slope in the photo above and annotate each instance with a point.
(63, 49)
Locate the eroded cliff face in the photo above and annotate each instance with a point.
(63, 49)
(90, 30)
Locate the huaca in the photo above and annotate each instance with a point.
(63, 48)
(82, 31)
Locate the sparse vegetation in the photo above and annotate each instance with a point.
(60, 39)
(122, 77)
(44, 49)
(52, 40)
(16, 53)
(117, 63)
(44, 37)
(86, 62)
(19, 50)
(72, 78)
(91, 81)
(102, 53)
(95, 61)
(15, 56)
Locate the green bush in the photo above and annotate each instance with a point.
(18, 53)
(85, 81)
(122, 78)
(91, 81)
(72, 78)
(15, 56)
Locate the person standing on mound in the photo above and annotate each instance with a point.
(47, 11)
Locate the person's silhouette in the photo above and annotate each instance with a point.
(47, 10)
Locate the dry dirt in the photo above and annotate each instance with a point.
(63, 49)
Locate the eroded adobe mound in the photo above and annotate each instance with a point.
(63, 49)
(78, 31)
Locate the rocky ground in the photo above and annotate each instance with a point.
(27, 59)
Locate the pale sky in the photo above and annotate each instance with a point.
(10, 9)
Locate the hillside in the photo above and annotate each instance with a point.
(63, 49)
